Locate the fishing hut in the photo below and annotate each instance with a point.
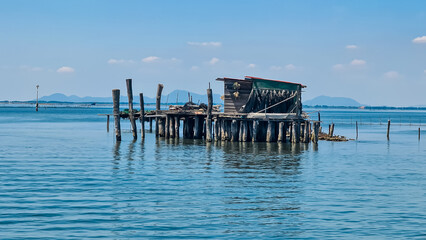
(255, 109)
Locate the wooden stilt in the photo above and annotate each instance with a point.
(198, 128)
(177, 126)
(116, 112)
(217, 129)
(295, 132)
(270, 134)
(172, 126)
(240, 131)
(315, 132)
(223, 130)
(255, 131)
(244, 133)
(142, 115)
(131, 113)
(234, 130)
(167, 126)
(281, 132)
(150, 124)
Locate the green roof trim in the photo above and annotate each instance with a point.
(274, 85)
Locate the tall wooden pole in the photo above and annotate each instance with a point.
(131, 114)
(356, 124)
(387, 134)
(209, 115)
(116, 112)
(142, 115)
(158, 99)
(37, 99)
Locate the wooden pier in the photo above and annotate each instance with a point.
(256, 110)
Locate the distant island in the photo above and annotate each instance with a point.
(175, 97)
(181, 97)
(332, 102)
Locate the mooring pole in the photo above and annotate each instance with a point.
(142, 115)
(37, 99)
(209, 115)
(356, 124)
(419, 134)
(116, 112)
(131, 115)
(107, 123)
(387, 134)
(158, 99)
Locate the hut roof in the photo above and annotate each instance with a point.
(263, 83)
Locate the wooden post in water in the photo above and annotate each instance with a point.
(419, 134)
(234, 130)
(150, 124)
(296, 132)
(356, 126)
(244, 132)
(167, 126)
(116, 112)
(331, 130)
(177, 126)
(255, 133)
(306, 132)
(270, 133)
(107, 123)
(198, 128)
(281, 132)
(142, 115)
(209, 115)
(315, 132)
(217, 129)
(161, 124)
(158, 99)
(172, 126)
(131, 114)
(387, 134)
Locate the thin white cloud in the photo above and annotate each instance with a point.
(424, 71)
(392, 74)
(338, 66)
(358, 62)
(251, 65)
(205, 44)
(150, 59)
(351, 47)
(65, 69)
(194, 68)
(275, 68)
(119, 61)
(31, 69)
(213, 61)
(290, 67)
(419, 39)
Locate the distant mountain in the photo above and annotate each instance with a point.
(179, 96)
(332, 101)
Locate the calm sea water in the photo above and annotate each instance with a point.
(62, 176)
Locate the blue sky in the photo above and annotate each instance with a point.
(372, 51)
